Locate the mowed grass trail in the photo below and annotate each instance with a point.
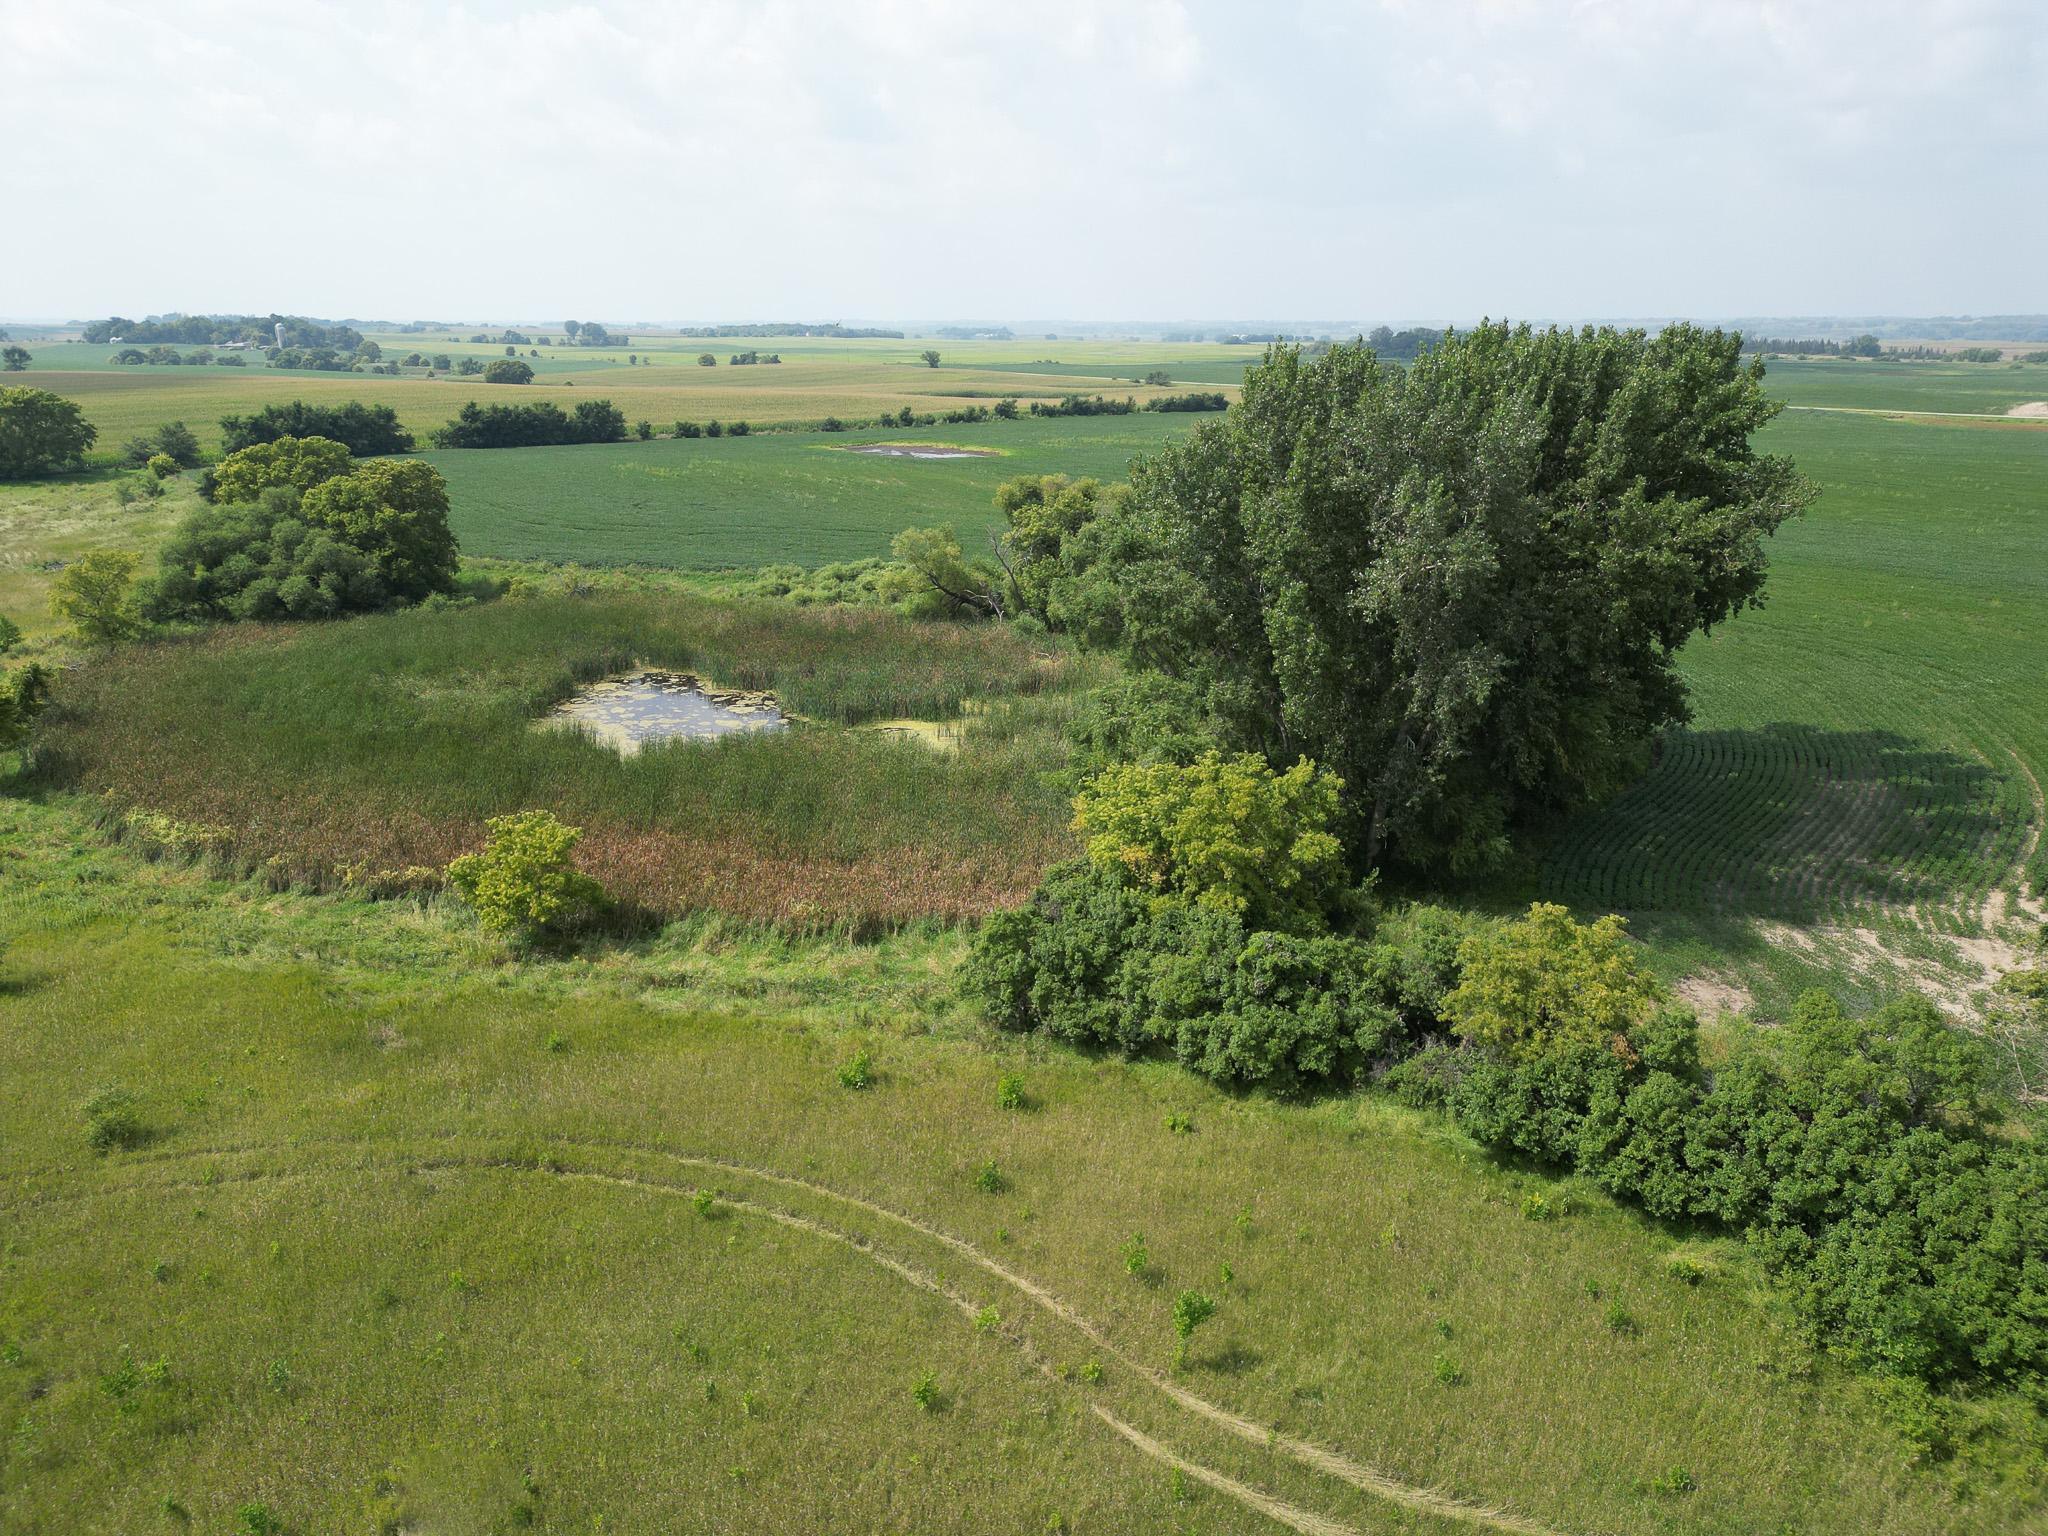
(803, 498)
(416, 1244)
(1863, 745)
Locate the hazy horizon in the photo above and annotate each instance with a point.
(1397, 161)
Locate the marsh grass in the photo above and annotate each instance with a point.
(364, 751)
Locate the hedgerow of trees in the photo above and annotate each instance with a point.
(365, 430)
(540, 424)
(588, 333)
(1084, 405)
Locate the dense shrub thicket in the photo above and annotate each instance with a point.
(365, 430)
(1861, 1158)
(539, 425)
(1203, 919)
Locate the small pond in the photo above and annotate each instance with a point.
(649, 705)
(920, 451)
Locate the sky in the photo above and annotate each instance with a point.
(1379, 160)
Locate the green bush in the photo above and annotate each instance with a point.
(1191, 1309)
(162, 465)
(113, 1120)
(1094, 963)
(522, 881)
(1141, 717)
(41, 433)
(23, 692)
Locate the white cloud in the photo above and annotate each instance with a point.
(924, 158)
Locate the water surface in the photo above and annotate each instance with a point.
(651, 705)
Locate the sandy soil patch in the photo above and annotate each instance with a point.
(2033, 408)
(1712, 996)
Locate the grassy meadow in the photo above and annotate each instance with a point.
(412, 1240)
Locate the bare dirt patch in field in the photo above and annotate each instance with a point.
(2033, 408)
(1710, 996)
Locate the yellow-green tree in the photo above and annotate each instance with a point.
(295, 463)
(522, 882)
(1225, 832)
(1546, 979)
(96, 592)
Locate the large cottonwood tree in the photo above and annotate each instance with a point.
(1461, 584)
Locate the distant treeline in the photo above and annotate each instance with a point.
(975, 333)
(1084, 405)
(314, 359)
(785, 328)
(1405, 346)
(1813, 346)
(1905, 327)
(216, 330)
(1955, 355)
(588, 333)
(168, 357)
(539, 425)
(1194, 400)
(1868, 346)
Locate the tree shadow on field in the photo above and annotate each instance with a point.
(1792, 824)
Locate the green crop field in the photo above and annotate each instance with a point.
(1868, 747)
(1991, 388)
(701, 503)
